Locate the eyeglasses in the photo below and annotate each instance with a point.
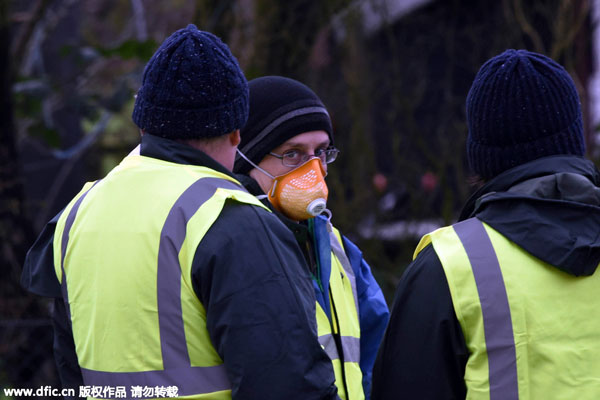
(293, 158)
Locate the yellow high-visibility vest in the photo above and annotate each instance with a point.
(532, 330)
(125, 245)
(344, 326)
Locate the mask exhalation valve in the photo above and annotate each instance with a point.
(316, 207)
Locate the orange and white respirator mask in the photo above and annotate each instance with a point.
(301, 193)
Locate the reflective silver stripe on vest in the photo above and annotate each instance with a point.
(343, 259)
(63, 247)
(497, 322)
(280, 120)
(328, 343)
(176, 362)
(350, 344)
(170, 320)
(188, 380)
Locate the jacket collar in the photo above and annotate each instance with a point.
(179, 153)
(549, 207)
(535, 169)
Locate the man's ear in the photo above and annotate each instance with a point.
(235, 138)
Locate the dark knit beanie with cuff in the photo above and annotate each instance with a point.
(192, 88)
(280, 108)
(521, 106)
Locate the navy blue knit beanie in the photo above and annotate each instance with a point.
(521, 106)
(280, 108)
(192, 88)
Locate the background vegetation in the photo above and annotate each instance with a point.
(394, 75)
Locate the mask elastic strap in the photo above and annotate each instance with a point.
(254, 165)
(328, 214)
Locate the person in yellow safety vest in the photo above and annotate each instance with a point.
(171, 279)
(283, 155)
(504, 303)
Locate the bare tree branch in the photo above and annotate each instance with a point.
(566, 30)
(529, 30)
(71, 155)
(139, 16)
(22, 38)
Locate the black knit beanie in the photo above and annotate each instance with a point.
(521, 106)
(192, 88)
(280, 108)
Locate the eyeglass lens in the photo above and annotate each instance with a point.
(293, 158)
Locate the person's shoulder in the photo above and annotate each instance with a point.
(247, 219)
(423, 289)
(241, 233)
(425, 268)
(247, 211)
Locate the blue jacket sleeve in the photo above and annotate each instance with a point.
(373, 312)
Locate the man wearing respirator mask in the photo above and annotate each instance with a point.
(282, 159)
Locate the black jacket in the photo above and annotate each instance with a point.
(551, 208)
(246, 261)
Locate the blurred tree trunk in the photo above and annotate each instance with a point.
(15, 230)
